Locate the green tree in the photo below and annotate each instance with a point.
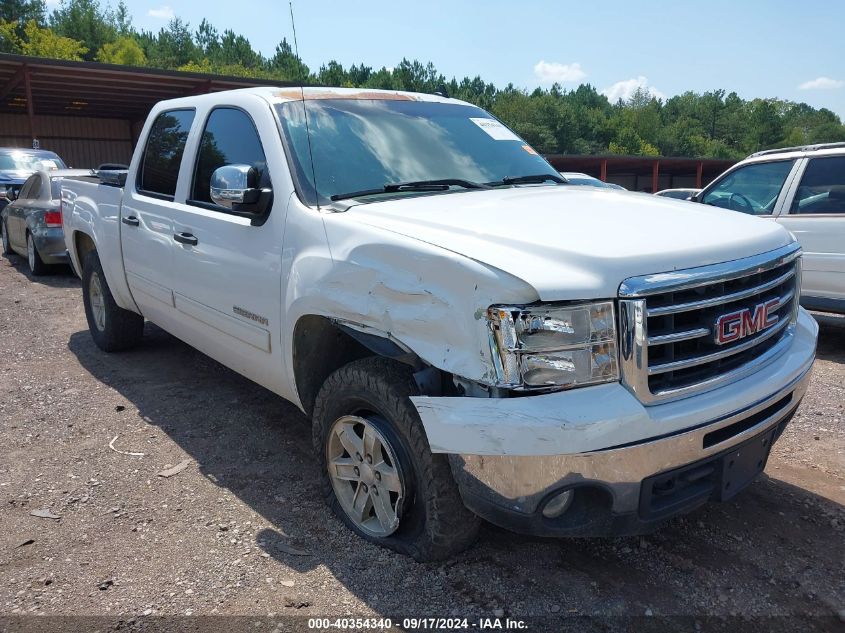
(765, 127)
(10, 40)
(207, 39)
(85, 21)
(21, 12)
(284, 64)
(172, 47)
(124, 50)
(42, 42)
(332, 74)
(235, 50)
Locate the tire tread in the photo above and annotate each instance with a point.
(124, 328)
(449, 526)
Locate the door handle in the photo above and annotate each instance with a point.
(131, 220)
(186, 238)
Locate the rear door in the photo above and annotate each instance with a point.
(228, 266)
(16, 218)
(146, 216)
(816, 216)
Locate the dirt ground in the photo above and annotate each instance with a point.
(241, 530)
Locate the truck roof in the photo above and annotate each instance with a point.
(274, 94)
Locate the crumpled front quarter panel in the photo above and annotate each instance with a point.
(429, 299)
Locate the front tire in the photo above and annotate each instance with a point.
(377, 469)
(36, 265)
(112, 328)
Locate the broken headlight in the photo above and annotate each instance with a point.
(549, 346)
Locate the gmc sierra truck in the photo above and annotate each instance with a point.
(470, 335)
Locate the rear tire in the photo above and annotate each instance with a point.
(36, 265)
(427, 519)
(112, 328)
(7, 247)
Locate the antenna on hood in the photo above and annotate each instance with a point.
(304, 108)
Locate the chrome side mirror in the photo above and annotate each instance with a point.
(234, 184)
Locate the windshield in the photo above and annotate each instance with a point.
(25, 161)
(361, 145)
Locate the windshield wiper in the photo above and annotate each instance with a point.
(441, 184)
(529, 179)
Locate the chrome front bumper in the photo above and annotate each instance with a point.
(510, 455)
(520, 484)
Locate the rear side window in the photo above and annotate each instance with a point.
(163, 153)
(822, 188)
(229, 138)
(30, 188)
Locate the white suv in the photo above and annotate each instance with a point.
(802, 188)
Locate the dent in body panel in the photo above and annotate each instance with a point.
(420, 295)
(552, 424)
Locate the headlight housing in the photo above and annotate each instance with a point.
(551, 346)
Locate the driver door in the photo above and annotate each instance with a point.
(755, 188)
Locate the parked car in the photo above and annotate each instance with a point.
(803, 190)
(31, 225)
(18, 164)
(474, 338)
(577, 178)
(678, 194)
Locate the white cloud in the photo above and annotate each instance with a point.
(625, 89)
(164, 12)
(551, 72)
(822, 83)
(51, 4)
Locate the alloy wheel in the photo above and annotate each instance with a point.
(365, 475)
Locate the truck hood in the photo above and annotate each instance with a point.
(572, 242)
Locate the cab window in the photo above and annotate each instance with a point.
(751, 189)
(163, 153)
(229, 138)
(822, 187)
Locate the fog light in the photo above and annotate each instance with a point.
(558, 504)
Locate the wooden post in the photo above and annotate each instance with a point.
(655, 170)
(603, 175)
(30, 107)
(699, 172)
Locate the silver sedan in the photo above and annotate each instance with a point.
(32, 223)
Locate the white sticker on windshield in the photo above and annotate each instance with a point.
(495, 129)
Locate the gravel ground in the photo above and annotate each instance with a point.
(241, 529)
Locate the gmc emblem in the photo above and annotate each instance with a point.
(737, 325)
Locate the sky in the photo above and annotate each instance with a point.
(757, 48)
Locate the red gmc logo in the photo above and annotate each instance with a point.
(737, 325)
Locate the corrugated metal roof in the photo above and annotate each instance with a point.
(103, 90)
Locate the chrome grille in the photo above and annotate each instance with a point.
(669, 345)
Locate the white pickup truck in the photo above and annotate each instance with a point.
(471, 336)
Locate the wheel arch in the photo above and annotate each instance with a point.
(321, 345)
(82, 245)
